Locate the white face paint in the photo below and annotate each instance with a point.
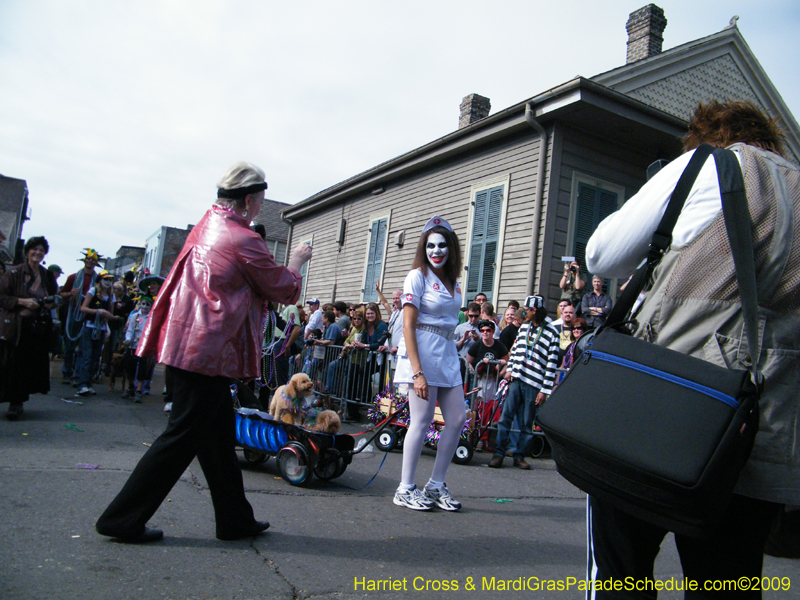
(106, 283)
(437, 250)
(145, 307)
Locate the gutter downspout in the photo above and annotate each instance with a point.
(288, 239)
(537, 209)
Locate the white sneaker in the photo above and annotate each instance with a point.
(84, 391)
(168, 407)
(441, 497)
(413, 499)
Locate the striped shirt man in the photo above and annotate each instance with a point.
(534, 356)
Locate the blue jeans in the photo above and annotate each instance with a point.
(520, 402)
(90, 353)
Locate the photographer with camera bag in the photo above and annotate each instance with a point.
(26, 296)
(695, 307)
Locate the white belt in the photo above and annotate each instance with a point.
(448, 335)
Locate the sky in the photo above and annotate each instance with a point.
(122, 116)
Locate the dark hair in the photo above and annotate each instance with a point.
(474, 307)
(538, 315)
(486, 323)
(328, 314)
(340, 306)
(452, 268)
(513, 303)
(481, 294)
(260, 230)
(39, 240)
(725, 123)
(487, 308)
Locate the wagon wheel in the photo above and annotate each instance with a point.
(255, 457)
(294, 464)
(464, 452)
(538, 446)
(387, 439)
(330, 465)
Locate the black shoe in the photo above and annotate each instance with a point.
(255, 529)
(496, 462)
(144, 537)
(14, 412)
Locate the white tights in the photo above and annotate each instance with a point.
(451, 401)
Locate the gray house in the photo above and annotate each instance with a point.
(277, 230)
(529, 184)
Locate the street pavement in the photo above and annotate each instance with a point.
(63, 462)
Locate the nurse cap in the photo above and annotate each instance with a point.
(436, 221)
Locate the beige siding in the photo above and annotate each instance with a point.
(578, 152)
(446, 190)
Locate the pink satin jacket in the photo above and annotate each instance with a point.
(208, 315)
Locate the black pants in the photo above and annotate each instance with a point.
(621, 546)
(201, 424)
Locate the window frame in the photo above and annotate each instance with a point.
(475, 189)
(579, 178)
(373, 217)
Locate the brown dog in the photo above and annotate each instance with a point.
(117, 370)
(327, 422)
(289, 402)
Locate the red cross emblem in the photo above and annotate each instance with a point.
(436, 286)
(409, 297)
(437, 221)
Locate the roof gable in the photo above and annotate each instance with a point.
(720, 66)
(270, 217)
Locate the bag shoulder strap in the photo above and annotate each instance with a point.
(740, 236)
(662, 238)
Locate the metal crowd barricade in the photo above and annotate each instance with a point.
(354, 378)
(351, 377)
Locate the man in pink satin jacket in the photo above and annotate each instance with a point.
(205, 327)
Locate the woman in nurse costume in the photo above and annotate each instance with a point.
(428, 363)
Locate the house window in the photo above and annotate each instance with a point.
(593, 201)
(376, 252)
(486, 238)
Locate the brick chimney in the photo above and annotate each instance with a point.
(473, 108)
(645, 32)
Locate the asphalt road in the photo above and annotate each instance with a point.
(63, 462)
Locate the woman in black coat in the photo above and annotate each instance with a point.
(25, 326)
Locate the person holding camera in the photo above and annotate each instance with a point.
(27, 293)
(571, 283)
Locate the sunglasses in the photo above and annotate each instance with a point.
(487, 330)
(473, 316)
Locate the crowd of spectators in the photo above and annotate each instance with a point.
(93, 322)
(350, 349)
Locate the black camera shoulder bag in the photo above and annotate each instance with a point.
(660, 434)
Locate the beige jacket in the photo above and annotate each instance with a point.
(694, 308)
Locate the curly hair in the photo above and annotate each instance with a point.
(724, 123)
(39, 240)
